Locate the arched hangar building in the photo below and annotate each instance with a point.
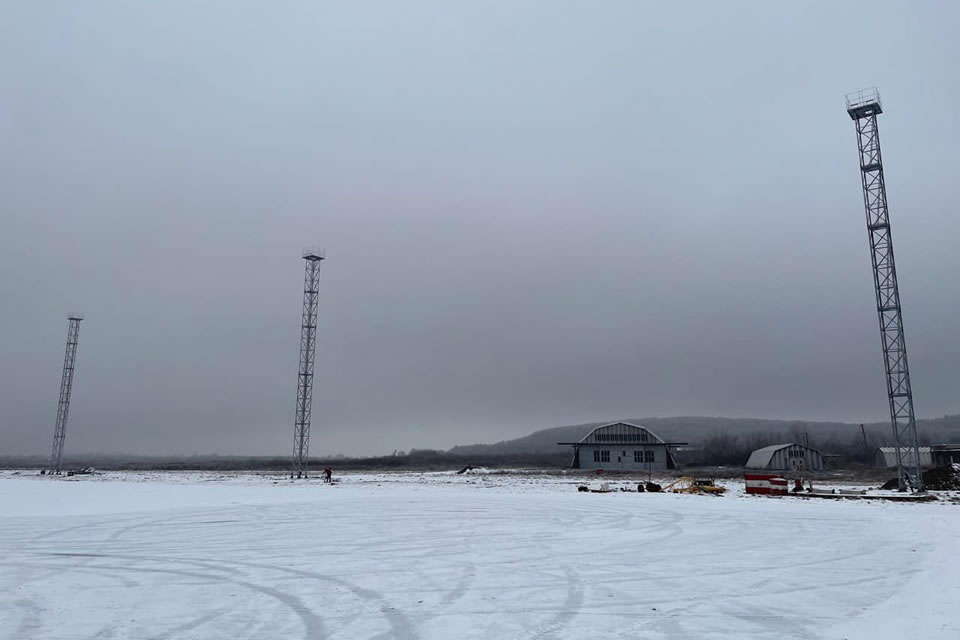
(786, 457)
(621, 446)
(886, 457)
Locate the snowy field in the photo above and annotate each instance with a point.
(204, 556)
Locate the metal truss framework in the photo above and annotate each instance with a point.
(66, 386)
(863, 108)
(308, 343)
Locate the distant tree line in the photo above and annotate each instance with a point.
(724, 448)
(729, 444)
(415, 460)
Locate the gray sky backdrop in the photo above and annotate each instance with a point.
(535, 213)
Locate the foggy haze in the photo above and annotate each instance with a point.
(534, 213)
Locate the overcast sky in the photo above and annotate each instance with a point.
(535, 214)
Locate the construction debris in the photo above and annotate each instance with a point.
(841, 494)
(936, 479)
(689, 484)
(86, 471)
(681, 485)
(604, 488)
(942, 478)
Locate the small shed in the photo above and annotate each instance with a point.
(945, 455)
(786, 457)
(886, 457)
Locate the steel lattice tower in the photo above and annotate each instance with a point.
(308, 344)
(864, 107)
(66, 386)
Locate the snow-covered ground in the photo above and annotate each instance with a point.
(479, 555)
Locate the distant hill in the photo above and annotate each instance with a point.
(698, 429)
(713, 442)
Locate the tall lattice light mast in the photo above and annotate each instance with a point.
(308, 344)
(66, 386)
(863, 108)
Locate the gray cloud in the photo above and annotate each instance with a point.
(535, 214)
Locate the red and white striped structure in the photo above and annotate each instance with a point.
(769, 484)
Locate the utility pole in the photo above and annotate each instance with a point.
(308, 344)
(66, 386)
(863, 108)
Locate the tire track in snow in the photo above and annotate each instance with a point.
(189, 626)
(400, 625)
(313, 625)
(27, 621)
(44, 537)
(463, 585)
(85, 526)
(568, 611)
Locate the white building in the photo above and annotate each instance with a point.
(886, 457)
(786, 457)
(621, 446)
